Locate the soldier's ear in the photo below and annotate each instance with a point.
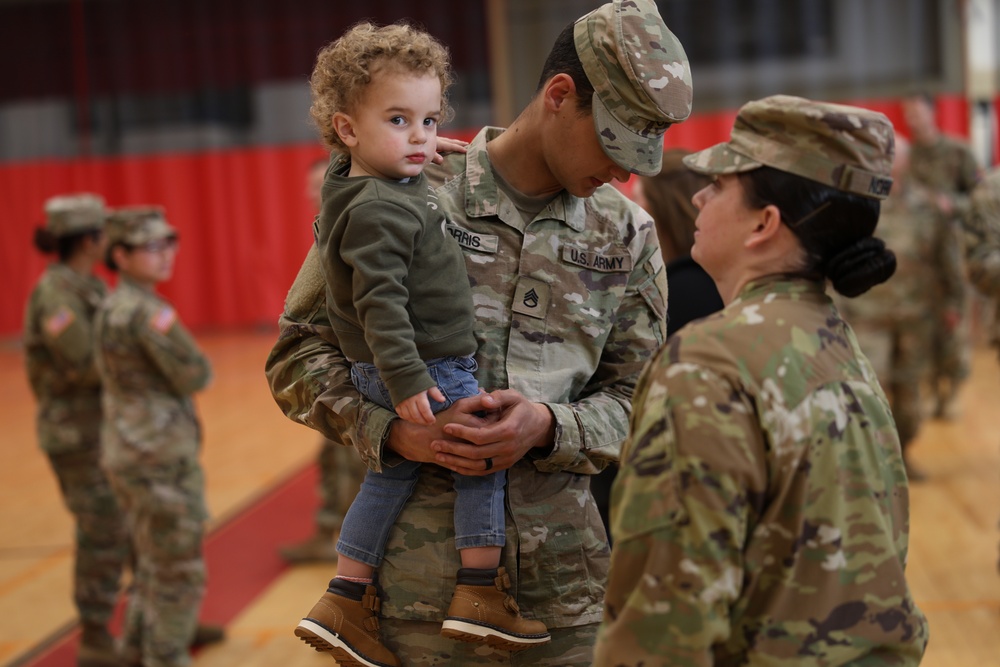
(119, 255)
(557, 91)
(766, 227)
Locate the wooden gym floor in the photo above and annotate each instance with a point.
(260, 486)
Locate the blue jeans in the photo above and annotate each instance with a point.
(479, 505)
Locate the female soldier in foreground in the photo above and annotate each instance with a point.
(761, 512)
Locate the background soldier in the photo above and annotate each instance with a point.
(58, 342)
(150, 366)
(891, 320)
(983, 244)
(949, 170)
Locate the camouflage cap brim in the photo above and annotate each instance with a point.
(720, 159)
(67, 215)
(152, 229)
(137, 226)
(641, 79)
(642, 155)
(840, 146)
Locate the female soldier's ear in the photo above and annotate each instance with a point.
(768, 226)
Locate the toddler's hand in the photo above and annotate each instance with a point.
(417, 409)
(448, 145)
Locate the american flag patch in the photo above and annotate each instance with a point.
(163, 319)
(58, 321)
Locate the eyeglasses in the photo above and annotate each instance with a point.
(159, 245)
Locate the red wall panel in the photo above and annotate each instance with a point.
(243, 216)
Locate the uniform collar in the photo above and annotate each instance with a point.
(484, 198)
(785, 284)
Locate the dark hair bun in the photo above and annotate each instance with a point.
(860, 266)
(45, 241)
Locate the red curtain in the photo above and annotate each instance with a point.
(243, 216)
(244, 219)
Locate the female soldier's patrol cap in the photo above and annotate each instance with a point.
(848, 148)
(641, 79)
(74, 214)
(137, 225)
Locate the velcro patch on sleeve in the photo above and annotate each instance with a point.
(163, 319)
(57, 322)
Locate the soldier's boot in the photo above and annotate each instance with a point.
(97, 648)
(206, 634)
(344, 623)
(320, 548)
(482, 611)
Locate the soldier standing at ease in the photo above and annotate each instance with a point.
(949, 170)
(983, 246)
(761, 510)
(58, 342)
(150, 366)
(891, 320)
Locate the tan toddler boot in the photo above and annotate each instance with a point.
(482, 611)
(344, 623)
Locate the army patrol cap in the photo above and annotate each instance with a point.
(848, 148)
(74, 214)
(641, 79)
(138, 225)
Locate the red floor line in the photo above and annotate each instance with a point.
(241, 556)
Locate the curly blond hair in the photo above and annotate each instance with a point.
(345, 67)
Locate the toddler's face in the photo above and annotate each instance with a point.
(394, 128)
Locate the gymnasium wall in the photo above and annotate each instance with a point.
(243, 215)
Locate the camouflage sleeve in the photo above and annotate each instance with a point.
(982, 231)
(966, 179)
(950, 263)
(162, 336)
(310, 378)
(589, 432)
(679, 519)
(69, 336)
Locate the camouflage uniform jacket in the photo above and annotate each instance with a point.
(982, 243)
(58, 346)
(761, 513)
(569, 308)
(946, 166)
(983, 236)
(929, 264)
(149, 366)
